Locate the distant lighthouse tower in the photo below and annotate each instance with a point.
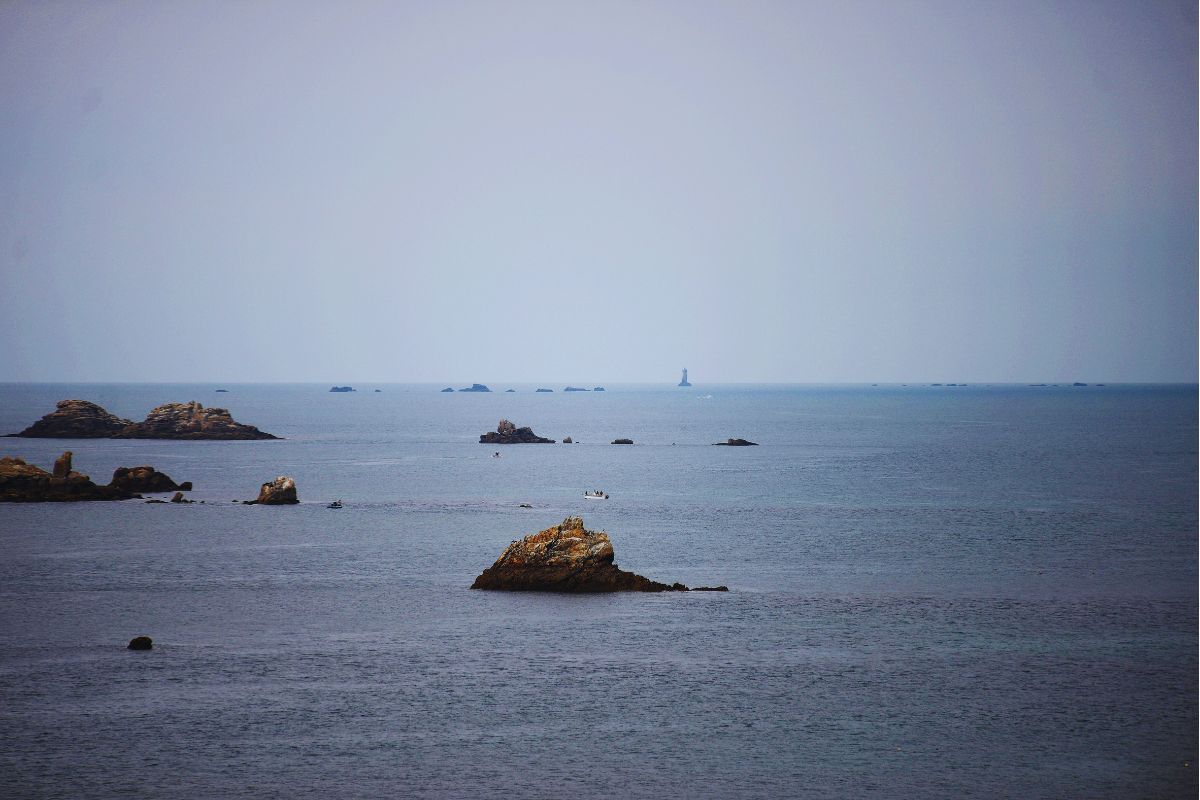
(684, 382)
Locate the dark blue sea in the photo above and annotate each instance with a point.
(935, 592)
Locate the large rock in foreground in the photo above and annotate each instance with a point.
(25, 483)
(564, 558)
(79, 419)
(191, 421)
(279, 492)
(508, 433)
(143, 479)
(76, 419)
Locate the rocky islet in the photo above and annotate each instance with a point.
(81, 419)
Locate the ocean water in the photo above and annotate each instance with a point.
(936, 592)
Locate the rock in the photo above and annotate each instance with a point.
(378, 390)
(598, 389)
(62, 465)
(735, 443)
(524, 505)
(568, 440)
(25, 483)
(564, 558)
(143, 479)
(190, 421)
(161, 502)
(543, 390)
(76, 419)
(281, 491)
(476, 387)
(508, 433)
(447, 389)
(622, 441)
(186, 486)
(507, 391)
(141, 643)
(221, 390)
(575, 389)
(1078, 384)
(341, 388)
(711, 589)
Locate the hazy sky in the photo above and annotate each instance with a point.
(598, 191)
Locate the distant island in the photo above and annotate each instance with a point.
(508, 433)
(598, 389)
(447, 389)
(575, 389)
(80, 419)
(684, 380)
(545, 390)
(476, 387)
(342, 389)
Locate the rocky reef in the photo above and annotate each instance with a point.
(80, 419)
(76, 419)
(736, 443)
(448, 389)
(508, 433)
(476, 387)
(622, 441)
(564, 558)
(279, 492)
(341, 388)
(576, 389)
(26, 483)
(144, 479)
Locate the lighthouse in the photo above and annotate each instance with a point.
(684, 381)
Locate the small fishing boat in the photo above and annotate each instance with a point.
(335, 504)
(596, 495)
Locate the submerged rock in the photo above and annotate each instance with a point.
(736, 443)
(281, 491)
(141, 643)
(564, 558)
(76, 419)
(508, 433)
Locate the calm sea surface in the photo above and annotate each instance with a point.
(935, 593)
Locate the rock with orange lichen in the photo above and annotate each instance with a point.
(565, 558)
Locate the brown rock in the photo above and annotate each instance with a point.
(190, 421)
(281, 491)
(76, 419)
(142, 479)
(564, 558)
(508, 433)
(25, 483)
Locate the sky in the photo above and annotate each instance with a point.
(596, 192)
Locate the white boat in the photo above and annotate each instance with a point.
(595, 496)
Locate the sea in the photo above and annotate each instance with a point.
(934, 592)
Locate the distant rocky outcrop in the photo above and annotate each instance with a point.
(80, 419)
(736, 443)
(508, 433)
(509, 391)
(568, 440)
(544, 390)
(144, 479)
(26, 483)
(598, 389)
(191, 421)
(576, 389)
(76, 419)
(141, 643)
(341, 388)
(476, 387)
(622, 441)
(448, 389)
(279, 492)
(564, 558)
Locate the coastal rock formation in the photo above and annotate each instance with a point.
(549, 391)
(25, 483)
(476, 387)
(279, 492)
(76, 419)
(79, 419)
(341, 388)
(575, 389)
(191, 421)
(598, 389)
(508, 433)
(142, 479)
(736, 443)
(622, 441)
(447, 389)
(141, 643)
(564, 558)
(568, 440)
